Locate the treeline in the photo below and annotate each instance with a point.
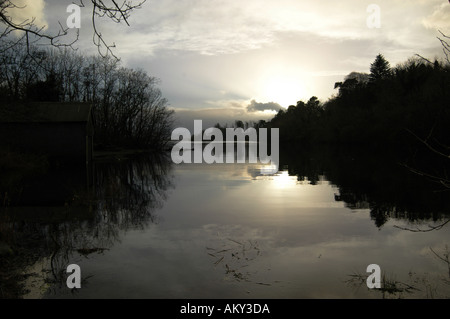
(398, 107)
(241, 124)
(128, 107)
(400, 114)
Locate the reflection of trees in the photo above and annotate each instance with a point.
(370, 180)
(128, 192)
(424, 230)
(125, 195)
(303, 162)
(391, 288)
(414, 285)
(444, 257)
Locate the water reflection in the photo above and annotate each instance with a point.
(239, 231)
(414, 284)
(366, 180)
(235, 257)
(83, 219)
(129, 192)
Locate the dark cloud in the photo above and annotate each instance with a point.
(223, 116)
(270, 106)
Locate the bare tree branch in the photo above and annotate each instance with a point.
(446, 259)
(442, 179)
(423, 58)
(430, 228)
(427, 144)
(114, 11)
(445, 45)
(28, 27)
(437, 179)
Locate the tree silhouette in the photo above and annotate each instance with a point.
(128, 109)
(379, 69)
(49, 90)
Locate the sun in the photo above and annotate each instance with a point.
(283, 180)
(283, 90)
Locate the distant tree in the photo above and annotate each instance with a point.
(346, 86)
(299, 105)
(19, 69)
(239, 124)
(379, 69)
(362, 78)
(260, 124)
(351, 82)
(49, 90)
(313, 102)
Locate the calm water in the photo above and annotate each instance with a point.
(158, 230)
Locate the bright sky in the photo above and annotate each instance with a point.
(220, 60)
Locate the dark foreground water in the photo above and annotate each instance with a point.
(150, 229)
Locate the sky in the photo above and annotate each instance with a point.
(223, 60)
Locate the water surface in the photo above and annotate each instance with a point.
(159, 230)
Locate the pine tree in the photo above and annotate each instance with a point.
(379, 69)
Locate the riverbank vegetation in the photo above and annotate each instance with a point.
(390, 107)
(400, 113)
(128, 108)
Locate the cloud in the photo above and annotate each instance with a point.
(270, 106)
(217, 27)
(221, 54)
(27, 10)
(230, 26)
(439, 19)
(210, 27)
(186, 117)
(225, 112)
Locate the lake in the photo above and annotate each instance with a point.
(147, 228)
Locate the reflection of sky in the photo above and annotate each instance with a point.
(308, 242)
(226, 152)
